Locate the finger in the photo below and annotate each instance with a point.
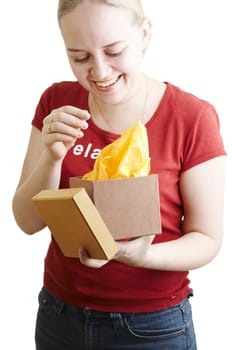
(61, 128)
(58, 129)
(72, 115)
(49, 128)
(71, 120)
(76, 112)
(128, 248)
(65, 123)
(87, 261)
(150, 238)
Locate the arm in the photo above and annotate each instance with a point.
(202, 189)
(43, 161)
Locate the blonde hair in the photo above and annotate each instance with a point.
(134, 6)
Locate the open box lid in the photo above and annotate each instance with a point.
(75, 223)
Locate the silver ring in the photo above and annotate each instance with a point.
(50, 127)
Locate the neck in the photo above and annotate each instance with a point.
(118, 117)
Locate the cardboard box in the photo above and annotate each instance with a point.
(75, 222)
(129, 207)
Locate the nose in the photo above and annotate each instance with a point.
(100, 68)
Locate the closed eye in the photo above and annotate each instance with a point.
(83, 59)
(114, 54)
(80, 60)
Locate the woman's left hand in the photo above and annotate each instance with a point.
(133, 252)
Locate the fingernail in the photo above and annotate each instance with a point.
(85, 125)
(81, 134)
(87, 115)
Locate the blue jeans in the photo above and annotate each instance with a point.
(64, 327)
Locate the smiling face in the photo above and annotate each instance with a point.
(105, 48)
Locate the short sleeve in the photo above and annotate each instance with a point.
(42, 109)
(204, 140)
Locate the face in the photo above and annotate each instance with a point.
(105, 49)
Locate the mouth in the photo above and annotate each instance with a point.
(107, 83)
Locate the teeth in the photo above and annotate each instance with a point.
(106, 83)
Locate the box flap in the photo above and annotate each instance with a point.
(74, 222)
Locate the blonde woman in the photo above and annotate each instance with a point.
(139, 299)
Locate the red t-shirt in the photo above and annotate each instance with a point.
(183, 132)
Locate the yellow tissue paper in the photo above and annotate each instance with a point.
(128, 156)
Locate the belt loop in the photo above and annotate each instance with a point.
(117, 320)
(59, 306)
(190, 293)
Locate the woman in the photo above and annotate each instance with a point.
(139, 299)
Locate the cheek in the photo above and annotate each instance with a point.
(132, 62)
(134, 57)
(80, 73)
(75, 69)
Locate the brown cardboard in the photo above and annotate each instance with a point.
(75, 222)
(129, 207)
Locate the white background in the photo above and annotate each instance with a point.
(191, 47)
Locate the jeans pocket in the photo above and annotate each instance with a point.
(52, 329)
(167, 324)
(49, 304)
(159, 334)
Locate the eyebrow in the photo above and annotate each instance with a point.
(104, 47)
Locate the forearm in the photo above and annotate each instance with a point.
(45, 175)
(189, 252)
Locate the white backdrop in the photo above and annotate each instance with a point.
(191, 47)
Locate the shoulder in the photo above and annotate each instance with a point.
(63, 93)
(186, 101)
(187, 108)
(64, 89)
(57, 95)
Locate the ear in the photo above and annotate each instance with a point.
(147, 30)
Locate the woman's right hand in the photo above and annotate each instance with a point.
(61, 128)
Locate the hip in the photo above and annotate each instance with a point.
(63, 326)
